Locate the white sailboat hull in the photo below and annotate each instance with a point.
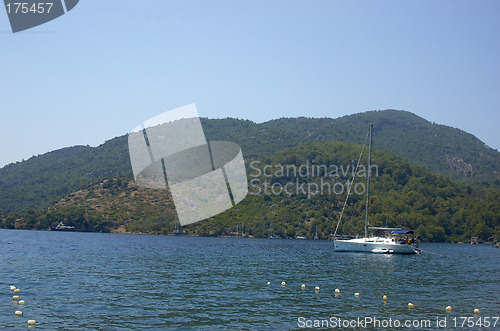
(373, 245)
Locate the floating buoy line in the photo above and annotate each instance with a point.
(410, 305)
(16, 298)
(32, 323)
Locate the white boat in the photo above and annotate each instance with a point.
(271, 234)
(62, 227)
(389, 244)
(378, 245)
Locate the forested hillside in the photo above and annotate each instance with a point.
(450, 152)
(444, 182)
(442, 150)
(404, 195)
(36, 182)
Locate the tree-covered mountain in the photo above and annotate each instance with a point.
(37, 182)
(293, 192)
(41, 179)
(440, 149)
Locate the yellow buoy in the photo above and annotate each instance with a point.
(12, 288)
(303, 286)
(476, 311)
(268, 283)
(19, 313)
(31, 322)
(21, 302)
(448, 308)
(17, 290)
(15, 297)
(410, 305)
(317, 288)
(337, 291)
(385, 297)
(356, 294)
(283, 283)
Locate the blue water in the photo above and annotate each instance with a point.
(118, 281)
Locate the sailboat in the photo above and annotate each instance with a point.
(389, 244)
(271, 233)
(238, 229)
(177, 230)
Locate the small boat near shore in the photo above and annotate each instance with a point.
(62, 227)
(177, 229)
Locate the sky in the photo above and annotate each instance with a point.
(106, 66)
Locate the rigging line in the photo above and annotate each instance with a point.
(349, 188)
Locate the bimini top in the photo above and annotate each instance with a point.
(402, 232)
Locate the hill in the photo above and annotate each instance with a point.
(403, 195)
(37, 182)
(440, 149)
(42, 179)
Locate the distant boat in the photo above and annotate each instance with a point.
(177, 230)
(299, 236)
(243, 231)
(237, 233)
(62, 227)
(271, 234)
(388, 244)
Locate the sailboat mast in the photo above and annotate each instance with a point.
(368, 181)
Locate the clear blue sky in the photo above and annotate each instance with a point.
(106, 66)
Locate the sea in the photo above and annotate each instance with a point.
(104, 281)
